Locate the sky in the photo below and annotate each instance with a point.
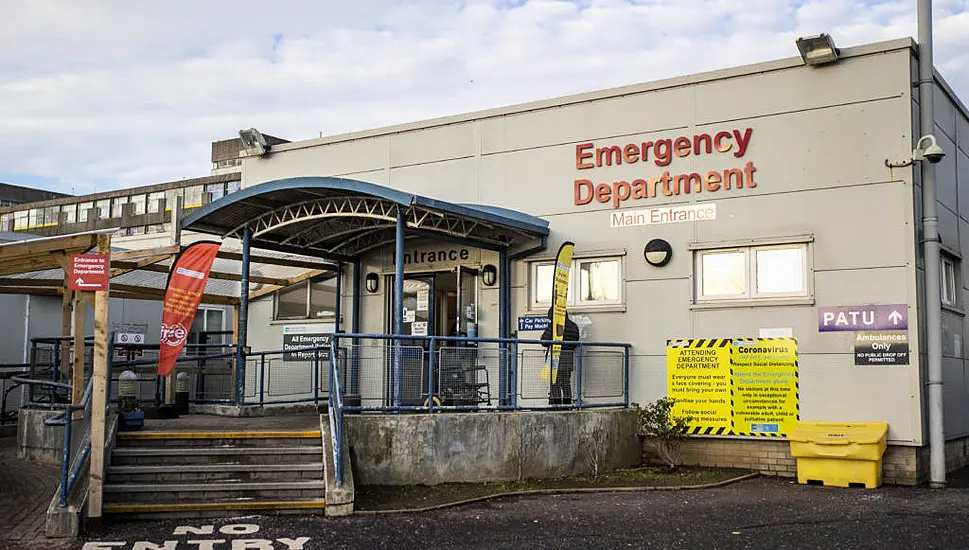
(104, 94)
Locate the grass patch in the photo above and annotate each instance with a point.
(393, 497)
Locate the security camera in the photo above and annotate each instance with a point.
(933, 153)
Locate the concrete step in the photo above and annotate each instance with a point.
(228, 490)
(205, 473)
(219, 439)
(130, 456)
(175, 510)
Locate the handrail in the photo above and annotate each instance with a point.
(335, 408)
(70, 471)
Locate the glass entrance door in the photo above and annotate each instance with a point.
(407, 362)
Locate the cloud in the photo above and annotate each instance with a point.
(111, 93)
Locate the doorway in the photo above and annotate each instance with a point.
(442, 303)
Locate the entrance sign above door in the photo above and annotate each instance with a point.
(434, 257)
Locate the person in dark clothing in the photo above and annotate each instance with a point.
(561, 389)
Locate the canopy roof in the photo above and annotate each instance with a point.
(32, 265)
(343, 218)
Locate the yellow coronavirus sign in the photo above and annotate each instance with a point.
(734, 386)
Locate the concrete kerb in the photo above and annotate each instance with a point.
(338, 498)
(245, 411)
(559, 492)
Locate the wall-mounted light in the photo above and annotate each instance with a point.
(254, 142)
(658, 252)
(373, 282)
(489, 274)
(817, 50)
(931, 152)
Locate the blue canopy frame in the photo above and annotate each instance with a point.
(341, 219)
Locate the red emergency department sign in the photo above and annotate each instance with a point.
(88, 272)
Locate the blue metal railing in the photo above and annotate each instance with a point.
(71, 468)
(424, 373)
(335, 410)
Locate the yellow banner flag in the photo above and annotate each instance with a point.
(560, 290)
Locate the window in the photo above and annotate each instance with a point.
(193, 197)
(752, 272)
(117, 206)
(950, 285)
(51, 214)
(214, 192)
(135, 230)
(104, 209)
(138, 205)
(20, 220)
(171, 196)
(5, 220)
(157, 228)
(232, 187)
(35, 217)
(70, 213)
(315, 299)
(592, 282)
(154, 202)
(84, 211)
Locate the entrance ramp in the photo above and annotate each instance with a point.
(212, 472)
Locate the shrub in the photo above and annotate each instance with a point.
(663, 431)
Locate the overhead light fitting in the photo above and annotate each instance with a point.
(817, 50)
(932, 153)
(253, 142)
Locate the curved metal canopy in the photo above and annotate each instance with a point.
(345, 218)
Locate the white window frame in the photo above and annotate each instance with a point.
(751, 294)
(574, 302)
(945, 261)
(306, 286)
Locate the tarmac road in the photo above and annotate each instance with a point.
(759, 513)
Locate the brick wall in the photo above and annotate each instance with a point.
(900, 465)
(770, 457)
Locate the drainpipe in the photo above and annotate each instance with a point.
(931, 245)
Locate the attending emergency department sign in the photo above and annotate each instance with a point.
(738, 386)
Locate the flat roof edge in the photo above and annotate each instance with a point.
(673, 82)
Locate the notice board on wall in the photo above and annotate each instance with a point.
(735, 386)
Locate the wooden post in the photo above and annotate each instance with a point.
(177, 241)
(99, 397)
(77, 368)
(67, 304)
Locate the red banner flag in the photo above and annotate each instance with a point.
(186, 283)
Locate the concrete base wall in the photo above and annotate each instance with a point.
(900, 465)
(478, 447)
(36, 441)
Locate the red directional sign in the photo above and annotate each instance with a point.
(88, 272)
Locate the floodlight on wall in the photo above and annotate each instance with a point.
(658, 252)
(931, 152)
(373, 282)
(817, 50)
(489, 275)
(253, 142)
